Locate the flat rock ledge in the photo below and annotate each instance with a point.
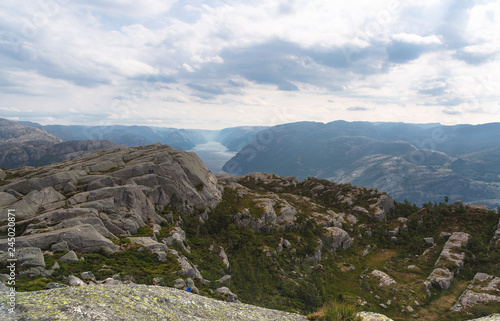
(484, 288)
(130, 303)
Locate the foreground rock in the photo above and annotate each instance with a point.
(132, 302)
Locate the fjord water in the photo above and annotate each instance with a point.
(213, 154)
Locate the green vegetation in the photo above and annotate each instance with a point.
(336, 311)
(138, 266)
(266, 274)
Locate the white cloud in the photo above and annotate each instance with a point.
(417, 39)
(484, 23)
(127, 8)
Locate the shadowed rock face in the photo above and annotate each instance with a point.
(89, 201)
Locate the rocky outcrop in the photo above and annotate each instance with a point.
(484, 288)
(69, 258)
(229, 296)
(496, 238)
(149, 303)
(81, 238)
(76, 148)
(26, 257)
(336, 238)
(384, 279)
(88, 201)
(493, 317)
(384, 206)
(159, 249)
(188, 270)
(450, 261)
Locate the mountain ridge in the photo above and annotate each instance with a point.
(412, 158)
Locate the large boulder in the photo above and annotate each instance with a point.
(441, 278)
(187, 270)
(6, 199)
(26, 257)
(336, 238)
(30, 256)
(75, 281)
(230, 296)
(69, 258)
(385, 280)
(177, 234)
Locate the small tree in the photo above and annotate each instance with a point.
(446, 199)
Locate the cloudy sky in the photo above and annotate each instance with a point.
(221, 63)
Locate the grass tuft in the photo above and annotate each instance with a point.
(336, 311)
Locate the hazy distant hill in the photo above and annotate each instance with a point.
(186, 139)
(127, 135)
(235, 138)
(417, 162)
(483, 165)
(22, 145)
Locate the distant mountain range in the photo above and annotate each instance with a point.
(417, 162)
(126, 135)
(31, 144)
(420, 163)
(22, 145)
(234, 138)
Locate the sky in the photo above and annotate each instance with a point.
(215, 64)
